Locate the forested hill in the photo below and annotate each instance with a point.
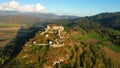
(111, 20)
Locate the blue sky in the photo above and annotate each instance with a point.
(74, 7)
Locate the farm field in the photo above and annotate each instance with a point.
(8, 31)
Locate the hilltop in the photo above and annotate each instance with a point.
(51, 44)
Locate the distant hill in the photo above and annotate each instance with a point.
(111, 20)
(18, 17)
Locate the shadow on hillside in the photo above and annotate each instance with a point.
(14, 47)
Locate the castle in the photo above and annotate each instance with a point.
(53, 35)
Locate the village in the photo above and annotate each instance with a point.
(53, 36)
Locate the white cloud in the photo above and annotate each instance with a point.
(13, 5)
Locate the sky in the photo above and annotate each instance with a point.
(62, 7)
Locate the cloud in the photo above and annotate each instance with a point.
(13, 5)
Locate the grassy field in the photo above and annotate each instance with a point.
(97, 36)
(87, 36)
(113, 47)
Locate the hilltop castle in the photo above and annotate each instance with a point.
(52, 35)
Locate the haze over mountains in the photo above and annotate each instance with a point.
(106, 19)
(30, 17)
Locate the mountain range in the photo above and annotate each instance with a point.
(29, 17)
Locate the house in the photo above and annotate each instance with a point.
(50, 42)
(46, 35)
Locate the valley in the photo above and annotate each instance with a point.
(8, 31)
